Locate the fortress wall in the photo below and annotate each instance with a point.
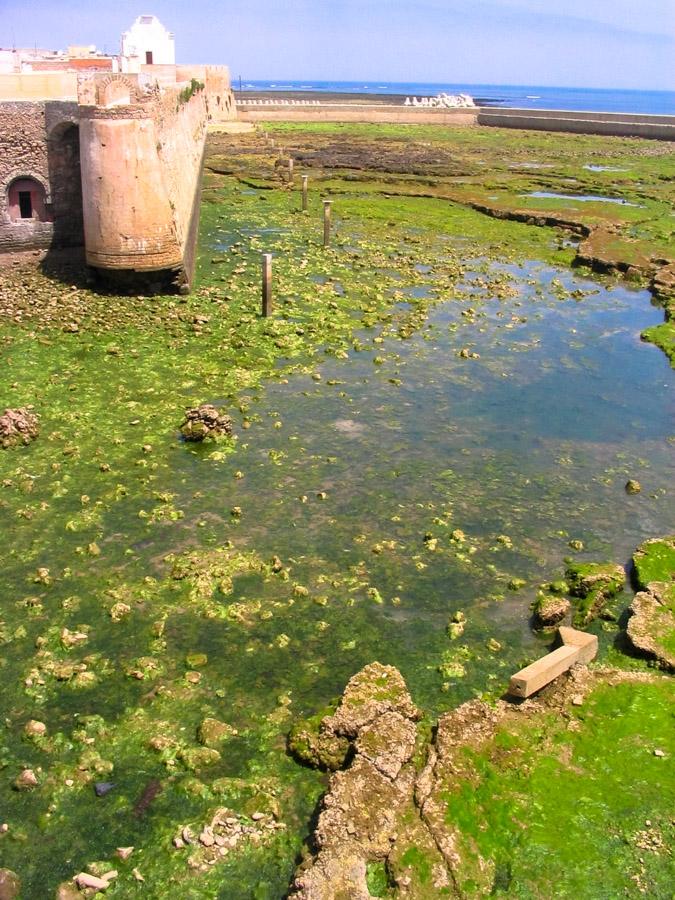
(38, 86)
(141, 167)
(23, 153)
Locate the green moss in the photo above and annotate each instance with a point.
(654, 560)
(591, 586)
(571, 807)
(417, 860)
(377, 880)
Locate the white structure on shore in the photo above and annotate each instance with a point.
(147, 43)
(442, 101)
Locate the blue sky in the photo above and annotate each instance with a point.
(578, 43)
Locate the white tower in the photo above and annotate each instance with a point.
(147, 43)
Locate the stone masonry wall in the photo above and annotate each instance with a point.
(26, 151)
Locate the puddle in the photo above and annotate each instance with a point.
(593, 168)
(582, 198)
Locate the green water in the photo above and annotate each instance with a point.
(397, 481)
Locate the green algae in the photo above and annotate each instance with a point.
(123, 533)
(654, 560)
(595, 780)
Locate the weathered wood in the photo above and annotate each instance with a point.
(326, 222)
(290, 169)
(305, 180)
(266, 284)
(577, 647)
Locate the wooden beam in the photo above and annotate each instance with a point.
(577, 647)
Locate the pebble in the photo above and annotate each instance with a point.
(577, 700)
(659, 753)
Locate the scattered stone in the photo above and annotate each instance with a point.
(124, 852)
(101, 788)
(34, 729)
(18, 426)
(10, 885)
(213, 733)
(658, 752)
(633, 486)
(85, 880)
(205, 421)
(26, 780)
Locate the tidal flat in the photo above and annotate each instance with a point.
(440, 416)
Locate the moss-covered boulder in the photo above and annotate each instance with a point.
(315, 747)
(654, 560)
(549, 609)
(205, 421)
(18, 426)
(592, 585)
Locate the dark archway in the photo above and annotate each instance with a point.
(65, 178)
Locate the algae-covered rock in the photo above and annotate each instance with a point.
(18, 426)
(213, 733)
(549, 609)
(374, 690)
(205, 421)
(651, 627)
(654, 560)
(632, 486)
(317, 747)
(592, 585)
(10, 885)
(198, 758)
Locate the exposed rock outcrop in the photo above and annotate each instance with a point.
(18, 426)
(358, 821)
(592, 585)
(651, 627)
(205, 421)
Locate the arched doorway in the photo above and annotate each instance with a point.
(63, 148)
(26, 201)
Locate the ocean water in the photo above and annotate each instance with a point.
(501, 95)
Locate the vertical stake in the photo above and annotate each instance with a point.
(326, 222)
(290, 169)
(305, 179)
(266, 284)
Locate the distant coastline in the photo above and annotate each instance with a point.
(499, 96)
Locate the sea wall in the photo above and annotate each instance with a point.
(617, 124)
(351, 112)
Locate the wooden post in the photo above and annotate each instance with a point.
(305, 179)
(326, 223)
(290, 169)
(266, 284)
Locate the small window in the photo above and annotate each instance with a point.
(27, 202)
(146, 20)
(25, 205)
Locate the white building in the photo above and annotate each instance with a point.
(147, 43)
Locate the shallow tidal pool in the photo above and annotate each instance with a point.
(449, 461)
